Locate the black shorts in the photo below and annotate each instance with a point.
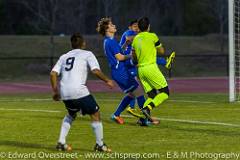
(87, 105)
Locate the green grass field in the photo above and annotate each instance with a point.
(203, 123)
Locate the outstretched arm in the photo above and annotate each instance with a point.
(121, 57)
(54, 84)
(103, 77)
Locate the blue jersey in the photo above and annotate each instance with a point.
(123, 40)
(119, 71)
(111, 48)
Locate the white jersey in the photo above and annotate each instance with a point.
(73, 69)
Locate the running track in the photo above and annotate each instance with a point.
(178, 85)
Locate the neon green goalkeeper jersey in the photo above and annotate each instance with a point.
(145, 45)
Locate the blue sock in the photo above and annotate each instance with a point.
(141, 101)
(161, 61)
(132, 103)
(124, 103)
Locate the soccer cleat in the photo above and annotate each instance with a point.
(103, 148)
(117, 119)
(143, 122)
(134, 112)
(170, 60)
(146, 112)
(63, 147)
(147, 122)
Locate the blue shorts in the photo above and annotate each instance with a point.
(132, 71)
(125, 81)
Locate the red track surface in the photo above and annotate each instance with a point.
(180, 85)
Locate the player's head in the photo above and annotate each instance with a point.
(144, 24)
(105, 26)
(133, 25)
(77, 41)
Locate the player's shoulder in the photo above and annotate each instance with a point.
(110, 39)
(125, 33)
(149, 34)
(130, 33)
(84, 53)
(77, 53)
(111, 42)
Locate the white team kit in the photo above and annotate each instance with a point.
(73, 67)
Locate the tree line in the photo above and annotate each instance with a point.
(168, 17)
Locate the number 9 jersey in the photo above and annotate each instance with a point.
(72, 67)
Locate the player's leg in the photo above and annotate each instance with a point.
(98, 131)
(167, 63)
(121, 107)
(66, 125)
(122, 79)
(138, 94)
(170, 60)
(161, 96)
(132, 104)
(141, 101)
(155, 85)
(90, 106)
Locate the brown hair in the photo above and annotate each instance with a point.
(77, 40)
(102, 25)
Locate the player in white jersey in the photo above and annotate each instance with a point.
(72, 67)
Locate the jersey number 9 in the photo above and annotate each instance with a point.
(69, 63)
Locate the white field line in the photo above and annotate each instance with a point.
(100, 99)
(128, 116)
(24, 99)
(191, 121)
(29, 110)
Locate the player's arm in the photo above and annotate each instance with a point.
(158, 45)
(54, 79)
(103, 77)
(116, 51)
(95, 69)
(160, 49)
(121, 57)
(134, 57)
(54, 84)
(128, 41)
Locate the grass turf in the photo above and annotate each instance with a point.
(31, 131)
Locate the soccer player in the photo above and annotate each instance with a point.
(72, 67)
(145, 47)
(126, 45)
(119, 71)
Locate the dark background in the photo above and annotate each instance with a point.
(34, 33)
(168, 17)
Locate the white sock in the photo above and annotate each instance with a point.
(98, 131)
(66, 125)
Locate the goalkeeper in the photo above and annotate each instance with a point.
(145, 47)
(126, 45)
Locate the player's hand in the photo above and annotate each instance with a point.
(129, 39)
(110, 83)
(56, 96)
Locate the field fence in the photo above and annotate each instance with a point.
(38, 68)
